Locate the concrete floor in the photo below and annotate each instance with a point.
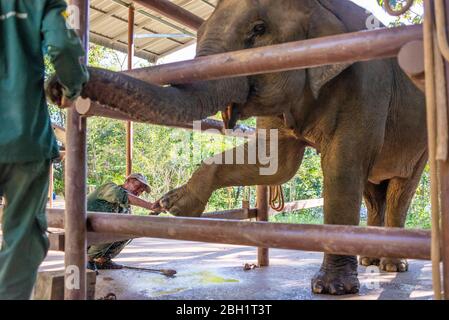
(214, 271)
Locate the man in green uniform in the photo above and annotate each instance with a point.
(28, 29)
(115, 199)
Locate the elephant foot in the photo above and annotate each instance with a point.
(337, 276)
(393, 265)
(368, 261)
(182, 202)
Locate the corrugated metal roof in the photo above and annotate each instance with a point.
(109, 26)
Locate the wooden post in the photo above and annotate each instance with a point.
(262, 215)
(75, 184)
(129, 124)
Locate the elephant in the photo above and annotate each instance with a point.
(366, 119)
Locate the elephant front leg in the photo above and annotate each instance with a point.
(244, 170)
(337, 275)
(343, 187)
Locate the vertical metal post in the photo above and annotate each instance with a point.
(262, 215)
(129, 124)
(444, 185)
(75, 184)
(429, 48)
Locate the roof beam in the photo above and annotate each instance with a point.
(140, 26)
(104, 15)
(152, 16)
(208, 3)
(173, 12)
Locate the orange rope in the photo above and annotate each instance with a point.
(277, 201)
(389, 8)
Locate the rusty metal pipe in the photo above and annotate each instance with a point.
(75, 186)
(55, 216)
(263, 258)
(344, 240)
(129, 124)
(442, 94)
(173, 12)
(343, 48)
(431, 127)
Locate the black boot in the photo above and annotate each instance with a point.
(91, 265)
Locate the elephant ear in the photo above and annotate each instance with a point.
(324, 23)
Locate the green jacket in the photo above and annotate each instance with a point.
(109, 198)
(28, 29)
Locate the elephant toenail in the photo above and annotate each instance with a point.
(391, 268)
(318, 287)
(354, 290)
(337, 289)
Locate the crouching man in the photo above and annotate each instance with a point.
(115, 199)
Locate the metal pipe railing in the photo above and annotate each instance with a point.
(343, 48)
(263, 257)
(75, 183)
(345, 240)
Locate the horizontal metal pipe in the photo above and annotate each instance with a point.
(236, 214)
(56, 220)
(343, 48)
(173, 12)
(345, 240)
(86, 107)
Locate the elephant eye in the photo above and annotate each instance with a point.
(259, 29)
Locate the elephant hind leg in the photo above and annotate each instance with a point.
(375, 197)
(399, 196)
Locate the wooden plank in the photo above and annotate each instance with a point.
(50, 285)
(57, 240)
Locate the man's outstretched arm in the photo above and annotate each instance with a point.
(138, 202)
(65, 50)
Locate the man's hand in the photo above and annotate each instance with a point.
(55, 93)
(156, 208)
(152, 206)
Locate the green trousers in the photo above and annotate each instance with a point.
(107, 251)
(24, 224)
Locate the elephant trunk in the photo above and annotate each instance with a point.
(167, 105)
